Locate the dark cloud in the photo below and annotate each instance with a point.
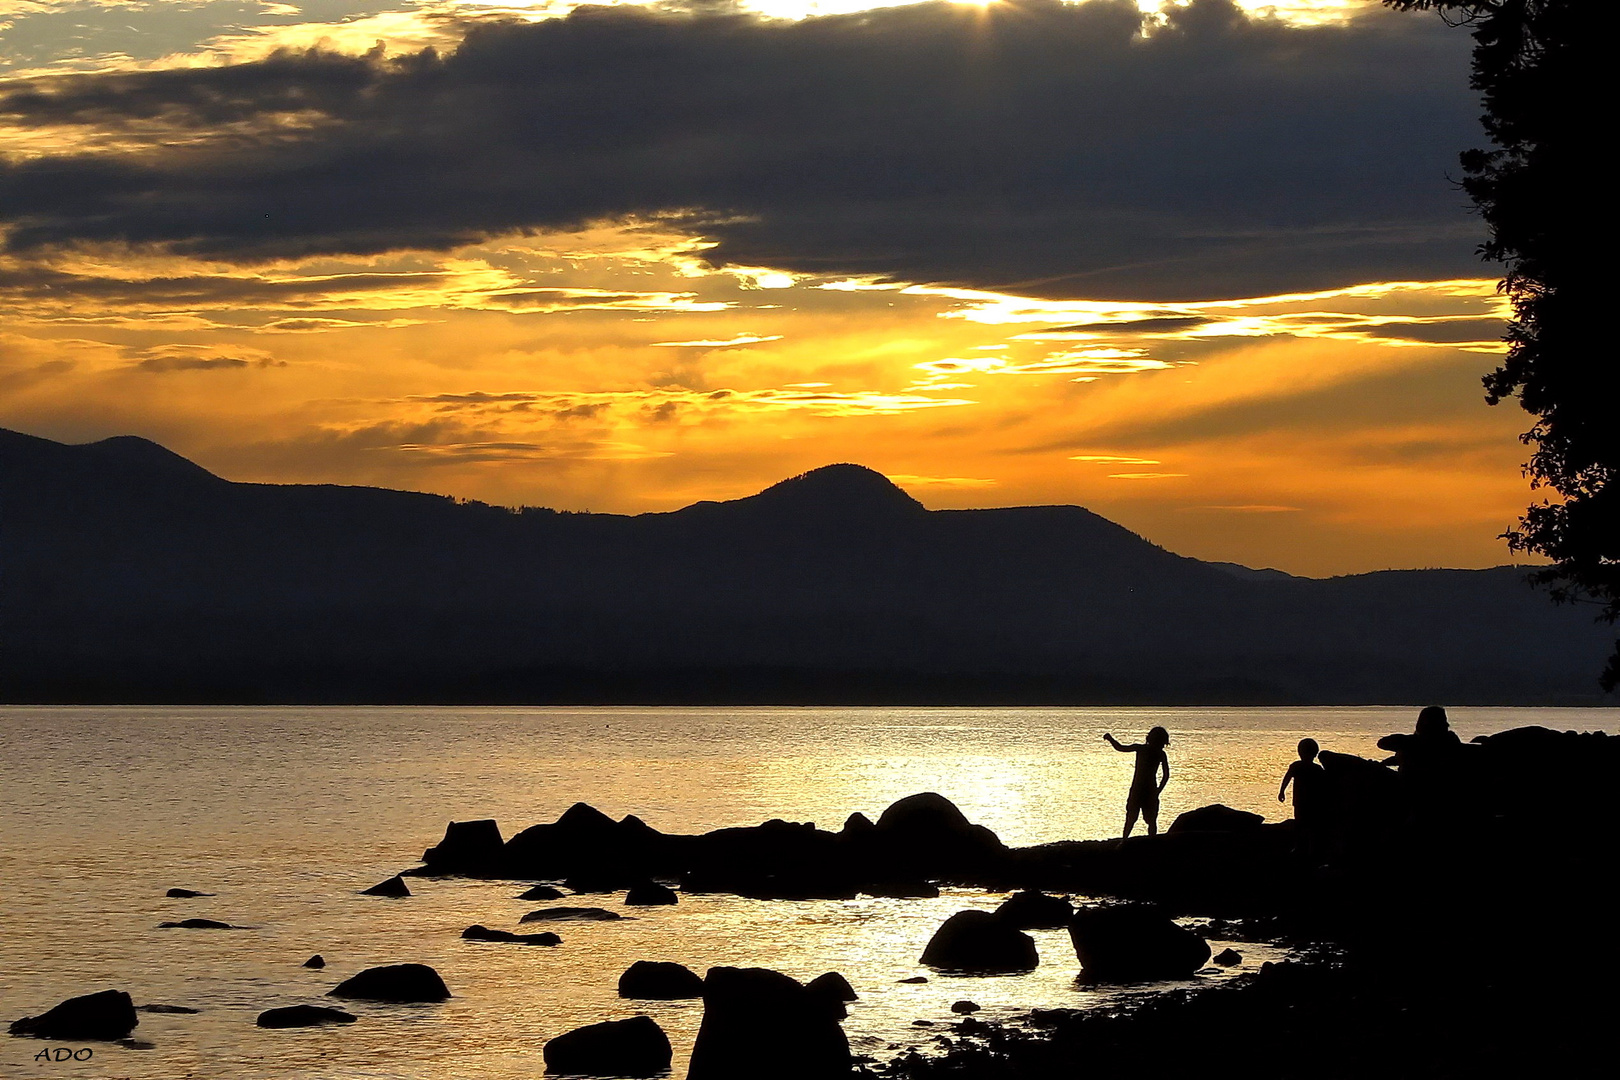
(1035, 145)
(200, 290)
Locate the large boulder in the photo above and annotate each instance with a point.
(1035, 910)
(587, 844)
(108, 1015)
(834, 985)
(1134, 943)
(926, 836)
(979, 942)
(660, 980)
(468, 847)
(296, 1016)
(1216, 818)
(633, 1047)
(394, 982)
(761, 1023)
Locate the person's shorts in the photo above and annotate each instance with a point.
(1142, 802)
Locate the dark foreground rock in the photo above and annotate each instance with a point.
(484, 933)
(1228, 958)
(1134, 943)
(659, 980)
(650, 894)
(394, 982)
(297, 1016)
(393, 887)
(197, 924)
(1034, 910)
(108, 1015)
(575, 914)
(634, 1047)
(759, 1023)
(980, 943)
(1216, 818)
(468, 847)
(834, 986)
(185, 894)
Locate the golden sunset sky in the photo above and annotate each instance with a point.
(1199, 269)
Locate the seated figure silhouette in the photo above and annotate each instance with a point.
(1145, 785)
(1430, 761)
(1309, 780)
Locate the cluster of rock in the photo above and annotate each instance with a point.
(918, 841)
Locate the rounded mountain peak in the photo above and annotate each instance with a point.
(841, 489)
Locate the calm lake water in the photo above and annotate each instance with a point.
(284, 813)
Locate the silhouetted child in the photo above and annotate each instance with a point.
(1145, 785)
(1309, 780)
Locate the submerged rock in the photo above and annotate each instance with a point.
(978, 941)
(1034, 910)
(185, 894)
(761, 1023)
(393, 887)
(468, 847)
(108, 1015)
(964, 1008)
(660, 980)
(296, 1016)
(913, 980)
(634, 1047)
(650, 894)
(176, 1010)
(316, 961)
(1228, 958)
(484, 933)
(197, 924)
(1134, 943)
(542, 892)
(394, 982)
(577, 914)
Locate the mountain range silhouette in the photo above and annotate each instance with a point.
(130, 574)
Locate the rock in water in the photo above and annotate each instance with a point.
(760, 1023)
(109, 1015)
(394, 886)
(316, 961)
(542, 892)
(650, 894)
(834, 985)
(633, 1047)
(484, 933)
(1033, 910)
(173, 1010)
(394, 982)
(1228, 958)
(295, 1016)
(578, 914)
(1216, 818)
(659, 980)
(197, 924)
(926, 836)
(1134, 943)
(468, 847)
(964, 1008)
(979, 942)
(185, 894)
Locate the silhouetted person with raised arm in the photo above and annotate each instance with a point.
(1145, 785)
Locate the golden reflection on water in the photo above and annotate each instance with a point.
(286, 813)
